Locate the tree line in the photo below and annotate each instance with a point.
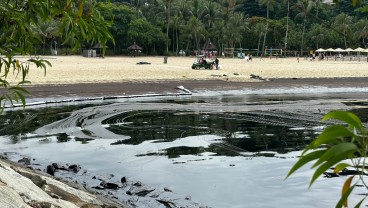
(168, 26)
(164, 27)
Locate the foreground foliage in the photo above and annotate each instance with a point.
(27, 24)
(340, 146)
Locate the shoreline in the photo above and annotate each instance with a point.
(102, 89)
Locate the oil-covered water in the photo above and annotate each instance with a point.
(223, 151)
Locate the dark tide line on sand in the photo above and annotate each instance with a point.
(186, 92)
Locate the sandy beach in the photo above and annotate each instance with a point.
(78, 69)
(77, 76)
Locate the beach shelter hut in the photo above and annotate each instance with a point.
(208, 46)
(135, 48)
(99, 46)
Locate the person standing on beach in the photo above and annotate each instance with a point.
(217, 63)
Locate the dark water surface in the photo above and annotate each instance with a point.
(224, 150)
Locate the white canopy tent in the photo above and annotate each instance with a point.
(349, 49)
(339, 50)
(320, 50)
(359, 49)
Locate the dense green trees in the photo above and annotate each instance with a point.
(300, 25)
(26, 25)
(294, 26)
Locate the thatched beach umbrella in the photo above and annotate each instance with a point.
(209, 46)
(135, 48)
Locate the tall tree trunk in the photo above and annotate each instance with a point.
(196, 41)
(177, 41)
(173, 41)
(259, 43)
(302, 45)
(168, 25)
(43, 48)
(265, 35)
(287, 27)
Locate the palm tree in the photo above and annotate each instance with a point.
(176, 22)
(197, 9)
(211, 13)
(362, 30)
(342, 24)
(48, 30)
(270, 4)
(260, 29)
(317, 33)
(303, 7)
(237, 25)
(317, 3)
(138, 5)
(165, 8)
(196, 28)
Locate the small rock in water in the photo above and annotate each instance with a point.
(167, 189)
(4, 157)
(137, 183)
(75, 168)
(124, 179)
(25, 161)
(50, 170)
(108, 185)
(55, 165)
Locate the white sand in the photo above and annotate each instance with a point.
(78, 69)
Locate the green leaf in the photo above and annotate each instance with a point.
(347, 117)
(21, 89)
(304, 159)
(330, 135)
(340, 167)
(342, 149)
(347, 189)
(360, 203)
(325, 166)
(21, 97)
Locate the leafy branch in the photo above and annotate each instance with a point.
(336, 145)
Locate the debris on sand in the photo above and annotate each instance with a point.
(253, 76)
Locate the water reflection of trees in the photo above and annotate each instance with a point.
(167, 126)
(18, 123)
